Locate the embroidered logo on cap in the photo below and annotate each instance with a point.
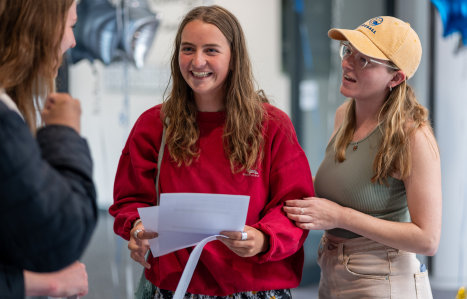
(375, 21)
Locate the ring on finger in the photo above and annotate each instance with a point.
(244, 236)
(135, 234)
(301, 211)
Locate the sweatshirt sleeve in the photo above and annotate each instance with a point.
(136, 173)
(48, 201)
(290, 178)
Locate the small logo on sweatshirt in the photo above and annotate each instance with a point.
(252, 173)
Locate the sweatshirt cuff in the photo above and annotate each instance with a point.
(128, 226)
(265, 256)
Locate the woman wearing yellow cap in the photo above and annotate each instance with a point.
(379, 185)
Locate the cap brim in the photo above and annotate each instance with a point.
(359, 41)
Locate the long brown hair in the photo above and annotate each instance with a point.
(30, 35)
(400, 116)
(243, 132)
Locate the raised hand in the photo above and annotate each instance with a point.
(62, 109)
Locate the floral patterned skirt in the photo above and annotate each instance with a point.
(273, 294)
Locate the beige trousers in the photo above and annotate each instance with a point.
(361, 268)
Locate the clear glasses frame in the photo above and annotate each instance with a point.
(360, 61)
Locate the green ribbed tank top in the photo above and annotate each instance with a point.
(349, 184)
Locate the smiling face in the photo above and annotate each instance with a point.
(371, 82)
(68, 40)
(204, 60)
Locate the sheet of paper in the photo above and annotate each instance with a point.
(184, 219)
(202, 213)
(188, 219)
(167, 241)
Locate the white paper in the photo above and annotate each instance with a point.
(184, 219)
(188, 219)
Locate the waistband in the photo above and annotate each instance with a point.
(343, 233)
(355, 245)
(362, 244)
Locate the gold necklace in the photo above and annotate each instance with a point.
(367, 134)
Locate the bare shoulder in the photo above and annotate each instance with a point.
(423, 144)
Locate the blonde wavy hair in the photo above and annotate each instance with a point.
(400, 116)
(243, 132)
(31, 32)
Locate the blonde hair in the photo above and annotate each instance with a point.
(31, 32)
(400, 116)
(243, 132)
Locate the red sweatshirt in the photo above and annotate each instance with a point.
(283, 174)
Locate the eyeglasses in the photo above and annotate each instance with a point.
(359, 60)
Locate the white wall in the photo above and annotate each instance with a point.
(450, 129)
(102, 96)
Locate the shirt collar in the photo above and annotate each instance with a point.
(9, 102)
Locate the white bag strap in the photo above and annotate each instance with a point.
(159, 160)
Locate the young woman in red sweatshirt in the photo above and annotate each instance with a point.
(223, 137)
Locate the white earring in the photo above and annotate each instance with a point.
(390, 88)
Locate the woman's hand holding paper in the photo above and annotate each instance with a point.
(256, 242)
(139, 246)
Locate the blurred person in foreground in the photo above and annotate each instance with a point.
(223, 137)
(379, 186)
(47, 197)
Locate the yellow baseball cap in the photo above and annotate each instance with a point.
(386, 38)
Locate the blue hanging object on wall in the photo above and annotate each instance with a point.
(98, 36)
(454, 16)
